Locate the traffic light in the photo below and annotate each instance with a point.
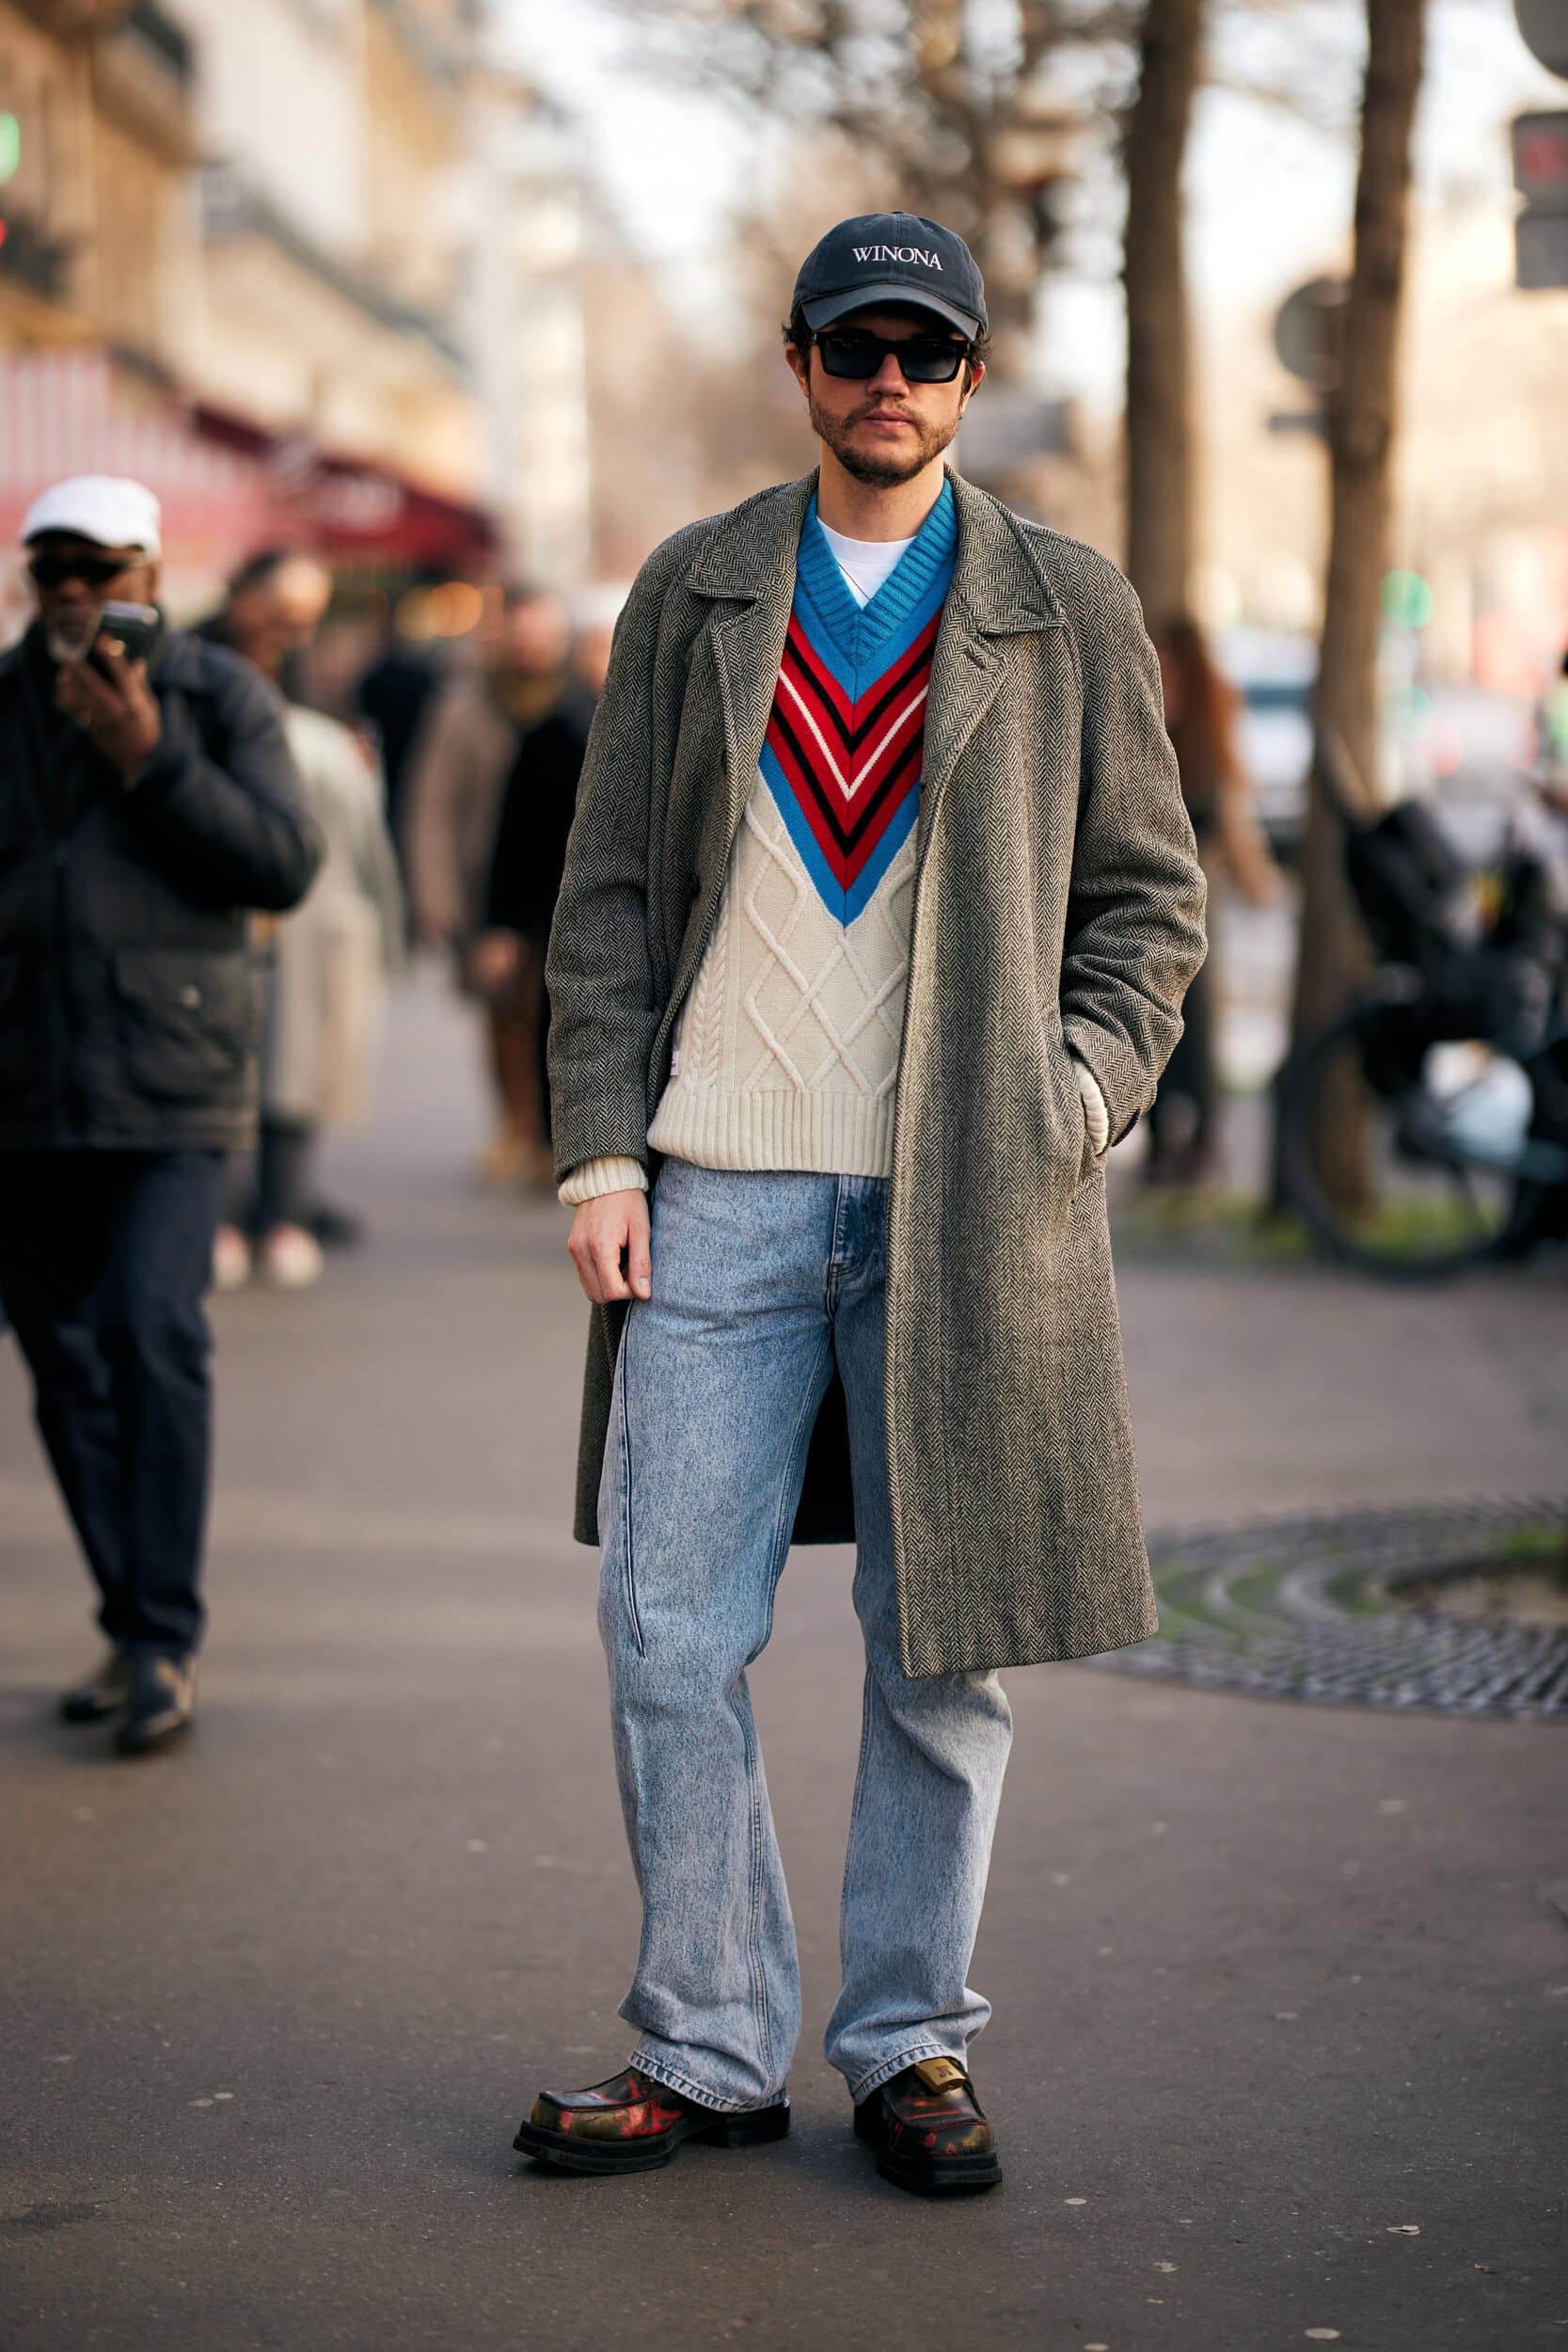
(1541, 155)
(10, 161)
(11, 155)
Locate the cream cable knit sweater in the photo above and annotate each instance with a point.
(786, 1052)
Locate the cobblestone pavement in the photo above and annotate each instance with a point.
(1280, 1992)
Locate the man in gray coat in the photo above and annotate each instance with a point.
(879, 912)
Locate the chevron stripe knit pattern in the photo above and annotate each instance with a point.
(786, 1055)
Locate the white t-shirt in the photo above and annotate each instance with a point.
(865, 562)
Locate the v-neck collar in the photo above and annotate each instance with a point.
(858, 629)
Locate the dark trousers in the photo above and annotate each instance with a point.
(1191, 1071)
(105, 1258)
(276, 1185)
(285, 1171)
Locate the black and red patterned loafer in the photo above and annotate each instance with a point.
(931, 2132)
(633, 2125)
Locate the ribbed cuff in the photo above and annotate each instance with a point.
(594, 1178)
(1096, 1116)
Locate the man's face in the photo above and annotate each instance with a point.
(590, 657)
(281, 614)
(534, 637)
(78, 579)
(884, 429)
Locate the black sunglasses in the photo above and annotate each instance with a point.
(93, 572)
(922, 358)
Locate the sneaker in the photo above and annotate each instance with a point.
(632, 2125)
(292, 1258)
(160, 1704)
(931, 2132)
(230, 1259)
(103, 1693)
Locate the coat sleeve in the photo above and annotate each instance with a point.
(230, 815)
(376, 865)
(1134, 926)
(436, 767)
(599, 970)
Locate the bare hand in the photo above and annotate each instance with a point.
(604, 1232)
(120, 711)
(497, 959)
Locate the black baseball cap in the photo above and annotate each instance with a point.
(891, 257)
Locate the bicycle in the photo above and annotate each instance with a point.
(1454, 1058)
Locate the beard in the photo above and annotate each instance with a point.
(880, 472)
(67, 637)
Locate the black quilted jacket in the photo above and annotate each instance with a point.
(130, 996)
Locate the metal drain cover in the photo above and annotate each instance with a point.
(1309, 1608)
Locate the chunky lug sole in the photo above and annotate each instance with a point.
(572, 2155)
(135, 1737)
(92, 1707)
(97, 1702)
(926, 2176)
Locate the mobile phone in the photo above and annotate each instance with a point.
(134, 626)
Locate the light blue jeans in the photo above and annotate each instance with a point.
(761, 1284)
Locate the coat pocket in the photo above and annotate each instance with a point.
(188, 1020)
(1078, 1147)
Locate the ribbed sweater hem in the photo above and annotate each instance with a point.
(826, 1134)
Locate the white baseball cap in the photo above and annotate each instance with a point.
(103, 507)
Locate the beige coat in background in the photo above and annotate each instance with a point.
(333, 954)
(1058, 903)
(459, 768)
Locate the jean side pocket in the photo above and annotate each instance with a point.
(628, 1577)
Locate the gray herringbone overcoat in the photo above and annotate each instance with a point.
(1058, 902)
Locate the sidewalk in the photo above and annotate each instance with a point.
(1275, 1987)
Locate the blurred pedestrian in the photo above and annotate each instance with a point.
(1202, 718)
(1551, 743)
(146, 804)
(878, 909)
(460, 768)
(394, 696)
(530, 856)
(330, 957)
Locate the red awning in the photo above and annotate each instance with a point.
(351, 511)
(228, 486)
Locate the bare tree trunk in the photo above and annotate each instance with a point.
(1333, 951)
(1158, 388)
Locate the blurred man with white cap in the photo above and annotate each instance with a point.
(146, 804)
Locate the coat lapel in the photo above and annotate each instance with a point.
(997, 592)
(747, 568)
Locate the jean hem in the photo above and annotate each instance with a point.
(861, 2091)
(670, 2076)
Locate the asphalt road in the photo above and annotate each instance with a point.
(1281, 1993)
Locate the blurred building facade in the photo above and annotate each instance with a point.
(1482, 506)
(525, 322)
(100, 137)
(274, 257)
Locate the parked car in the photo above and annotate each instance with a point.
(1273, 671)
